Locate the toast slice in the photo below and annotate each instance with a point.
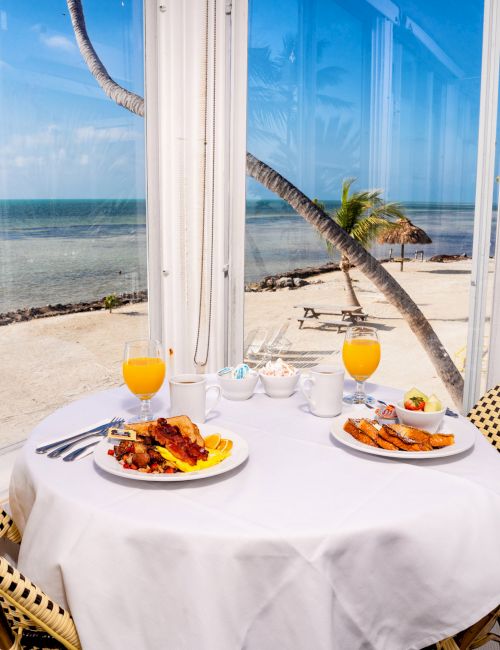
(142, 428)
(351, 426)
(387, 434)
(442, 439)
(410, 435)
(187, 428)
(184, 424)
(371, 429)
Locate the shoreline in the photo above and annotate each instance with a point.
(297, 277)
(24, 314)
(293, 279)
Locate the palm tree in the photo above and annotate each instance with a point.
(363, 215)
(324, 224)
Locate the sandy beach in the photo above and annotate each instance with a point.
(50, 361)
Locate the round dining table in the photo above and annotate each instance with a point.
(308, 544)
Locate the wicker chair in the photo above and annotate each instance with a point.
(35, 621)
(8, 529)
(486, 416)
(474, 636)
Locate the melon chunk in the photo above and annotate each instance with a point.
(414, 392)
(433, 404)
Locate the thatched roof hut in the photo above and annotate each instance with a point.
(403, 232)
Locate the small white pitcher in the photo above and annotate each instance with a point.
(323, 390)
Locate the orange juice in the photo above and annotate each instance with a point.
(144, 375)
(361, 357)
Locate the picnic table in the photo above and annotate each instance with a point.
(350, 314)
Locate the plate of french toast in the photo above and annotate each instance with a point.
(360, 431)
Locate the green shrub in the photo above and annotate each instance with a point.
(110, 302)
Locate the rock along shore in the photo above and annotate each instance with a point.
(29, 313)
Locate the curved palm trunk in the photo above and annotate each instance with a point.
(383, 280)
(114, 91)
(328, 229)
(345, 265)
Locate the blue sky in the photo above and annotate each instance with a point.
(311, 98)
(60, 137)
(315, 105)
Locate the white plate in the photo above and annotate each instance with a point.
(239, 453)
(463, 431)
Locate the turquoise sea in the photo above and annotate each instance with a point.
(63, 251)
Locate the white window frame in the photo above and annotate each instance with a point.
(485, 176)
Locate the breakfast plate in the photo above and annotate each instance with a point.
(239, 453)
(463, 431)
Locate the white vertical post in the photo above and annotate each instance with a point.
(236, 181)
(196, 148)
(484, 194)
(152, 181)
(493, 378)
(381, 107)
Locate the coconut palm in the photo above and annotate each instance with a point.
(363, 215)
(324, 224)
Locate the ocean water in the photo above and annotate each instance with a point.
(69, 251)
(278, 240)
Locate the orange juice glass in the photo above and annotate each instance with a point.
(143, 371)
(361, 356)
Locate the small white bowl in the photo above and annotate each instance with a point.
(429, 421)
(279, 386)
(238, 389)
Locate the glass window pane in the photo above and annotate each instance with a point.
(386, 94)
(72, 209)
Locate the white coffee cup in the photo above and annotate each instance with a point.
(323, 390)
(188, 396)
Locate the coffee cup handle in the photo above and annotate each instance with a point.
(306, 387)
(217, 388)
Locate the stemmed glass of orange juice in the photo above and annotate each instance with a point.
(143, 372)
(361, 356)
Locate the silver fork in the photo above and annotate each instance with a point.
(64, 444)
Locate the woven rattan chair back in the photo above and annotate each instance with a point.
(36, 621)
(8, 529)
(486, 416)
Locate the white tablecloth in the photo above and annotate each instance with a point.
(307, 545)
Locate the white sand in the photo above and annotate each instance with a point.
(51, 361)
(440, 289)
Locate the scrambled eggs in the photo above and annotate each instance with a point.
(214, 458)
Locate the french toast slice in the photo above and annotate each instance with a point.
(410, 435)
(442, 439)
(368, 427)
(387, 434)
(351, 426)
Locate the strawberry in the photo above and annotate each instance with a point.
(414, 404)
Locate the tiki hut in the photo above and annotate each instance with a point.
(403, 232)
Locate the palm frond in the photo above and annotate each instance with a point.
(346, 186)
(366, 230)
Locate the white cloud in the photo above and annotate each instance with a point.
(4, 65)
(26, 161)
(106, 134)
(58, 42)
(84, 159)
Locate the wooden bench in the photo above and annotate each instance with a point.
(350, 314)
(340, 325)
